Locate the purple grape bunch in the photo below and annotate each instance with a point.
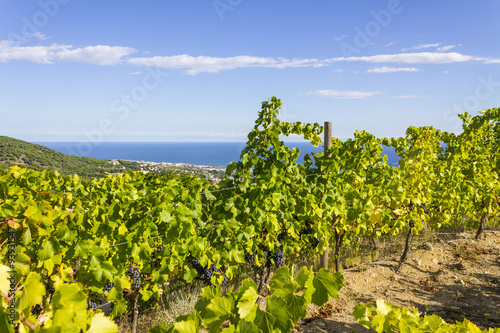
(205, 273)
(249, 258)
(107, 287)
(91, 305)
(278, 258)
(135, 275)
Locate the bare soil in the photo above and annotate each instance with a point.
(456, 277)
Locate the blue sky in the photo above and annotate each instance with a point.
(186, 70)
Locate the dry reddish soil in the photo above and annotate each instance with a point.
(457, 278)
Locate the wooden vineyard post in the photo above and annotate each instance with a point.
(327, 145)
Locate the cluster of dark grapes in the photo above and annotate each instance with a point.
(158, 250)
(196, 265)
(426, 211)
(307, 230)
(205, 273)
(249, 258)
(135, 275)
(37, 310)
(50, 290)
(156, 261)
(410, 207)
(282, 235)
(412, 224)
(91, 305)
(278, 258)
(107, 287)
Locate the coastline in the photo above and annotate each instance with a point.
(170, 164)
(210, 172)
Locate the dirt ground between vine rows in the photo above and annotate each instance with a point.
(455, 279)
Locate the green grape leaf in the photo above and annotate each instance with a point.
(247, 327)
(296, 307)
(5, 325)
(206, 296)
(32, 293)
(282, 284)
(326, 285)
(189, 273)
(47, 250)
(162, 328)
(305, 277)
(70, 307)
(186, 324)
(4, 279)
(275, 317)
(102, 324)
(119, 308)
(246, 299)
(219, 310)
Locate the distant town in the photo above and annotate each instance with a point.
(210, 172)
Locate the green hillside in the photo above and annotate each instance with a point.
(38, 157)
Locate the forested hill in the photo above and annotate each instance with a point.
(38, 157)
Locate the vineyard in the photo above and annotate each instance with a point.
(70, 246)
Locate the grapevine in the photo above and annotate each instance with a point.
(84, 233)
(389, 318)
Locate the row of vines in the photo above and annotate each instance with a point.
(69, 245)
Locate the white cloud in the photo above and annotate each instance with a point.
(420, 47)
(411, 58)
(342, 94)
(38, 35)
(192, 65)
(97, 55)
(447, 48)
(489, 60)
(201, 64)
(339, 38)
(135, 73)
(391, 43)
(427, 46)
(386, 69)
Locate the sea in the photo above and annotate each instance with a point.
(194, 153)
